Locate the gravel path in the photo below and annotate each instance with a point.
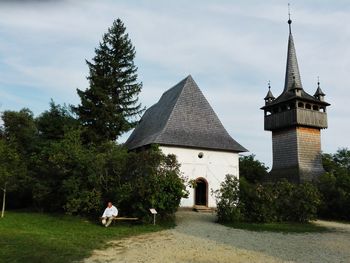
(197, 238)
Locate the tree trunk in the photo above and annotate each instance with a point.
(3, 201)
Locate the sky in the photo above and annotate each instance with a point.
(231, 49)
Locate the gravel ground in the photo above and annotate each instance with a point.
(197, 238)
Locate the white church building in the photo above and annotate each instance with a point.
(183, 123)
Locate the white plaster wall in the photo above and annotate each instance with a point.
(213, 167)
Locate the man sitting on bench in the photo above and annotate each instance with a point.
(109, 214)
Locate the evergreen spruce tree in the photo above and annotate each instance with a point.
(109, 107)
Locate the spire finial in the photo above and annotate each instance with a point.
(318, 81)
(269, 84)
(289, 20)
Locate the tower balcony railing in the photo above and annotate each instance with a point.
(294, 117)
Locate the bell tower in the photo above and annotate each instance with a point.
(295, 119)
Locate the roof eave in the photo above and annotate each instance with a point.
(242, 149)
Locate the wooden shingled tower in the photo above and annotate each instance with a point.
(295, 119)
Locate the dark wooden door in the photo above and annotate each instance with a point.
(201, 192)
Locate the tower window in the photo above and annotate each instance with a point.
(315, 108)
(308, 106)
(200, 155)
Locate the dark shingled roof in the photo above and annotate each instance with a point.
(292, 69)
(183, 117)
(269, 95)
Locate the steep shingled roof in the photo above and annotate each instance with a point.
(292, 78)
(292, 69)
(183, 117)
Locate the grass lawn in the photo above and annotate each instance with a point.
(33, 237)
(279, 227)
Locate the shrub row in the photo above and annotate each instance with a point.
(239, 200)
(334, 186)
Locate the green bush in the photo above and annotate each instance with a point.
(239, 200)
(227, 199)
(334, 186)
(297, 203)
(257, 202)
(153, 181)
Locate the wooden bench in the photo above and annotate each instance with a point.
(123, 218)
(126, 218)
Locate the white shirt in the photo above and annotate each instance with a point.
(110, 211)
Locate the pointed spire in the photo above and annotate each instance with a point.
(319, 94)
(269, 97)
(292, 68)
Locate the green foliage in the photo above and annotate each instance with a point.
(80, 179)
(109, 106)
(257, 202)
(296, 203)
(335, 186)
(19, 130)
(53, 123)
(11, 168)
(251, 169)
(241, 201)
(153, 181)
(227, 197)
(41, 238)
(12, 171)
(73, 178)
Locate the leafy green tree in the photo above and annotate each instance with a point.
(11, 171)
(342, 159)
(53, 123)
(251, 169)
(153, 180)
(19, 130)
(20, 135)
(110, 105)
(100, 178)
(65, 176)
(335, 185)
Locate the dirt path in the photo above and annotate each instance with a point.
(197, 238)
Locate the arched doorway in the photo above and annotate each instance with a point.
(201, 192)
